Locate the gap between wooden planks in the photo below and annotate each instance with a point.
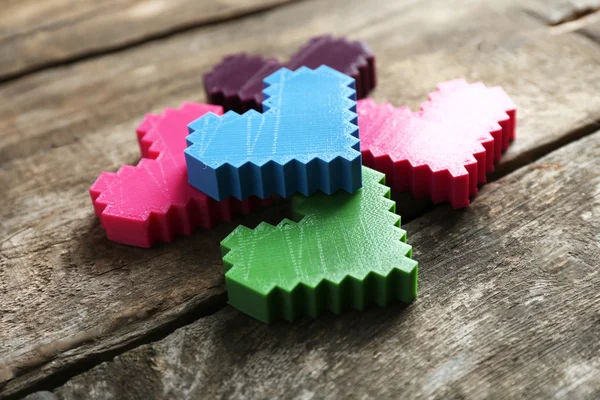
(37, 36)
(60, 279)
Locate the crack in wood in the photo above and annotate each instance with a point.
(577, 14)
(151, 37)
(46, 352)
(530, 156)
(558, 13)
(54, 25)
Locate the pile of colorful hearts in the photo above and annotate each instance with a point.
(307, 137)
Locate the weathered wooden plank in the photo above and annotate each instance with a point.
(35, 34)
(509, 307)
(68, 295)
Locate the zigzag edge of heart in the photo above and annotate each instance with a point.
(441, 186)
(363, 68)
(272, 177)
(179, 219)
(234, 100)
(364, 75)
(336, 297)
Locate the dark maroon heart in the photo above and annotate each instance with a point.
(237, 82)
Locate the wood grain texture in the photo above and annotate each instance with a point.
(509, 307)
(68, 295)
(35, 34)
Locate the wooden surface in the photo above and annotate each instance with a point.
(509, 307)
(69, 299)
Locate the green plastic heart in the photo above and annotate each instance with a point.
(346, 250)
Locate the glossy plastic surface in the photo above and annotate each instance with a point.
(344, 251)
(237, 82)
(445, 149)
(305, 140)
(152, 201)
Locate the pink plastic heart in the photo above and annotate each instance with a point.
(444, 150)
(153, 201)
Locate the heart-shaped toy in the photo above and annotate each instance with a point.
(237, 82)
(305, 140)
(445, 149)
(153, 201)
(345, 250)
